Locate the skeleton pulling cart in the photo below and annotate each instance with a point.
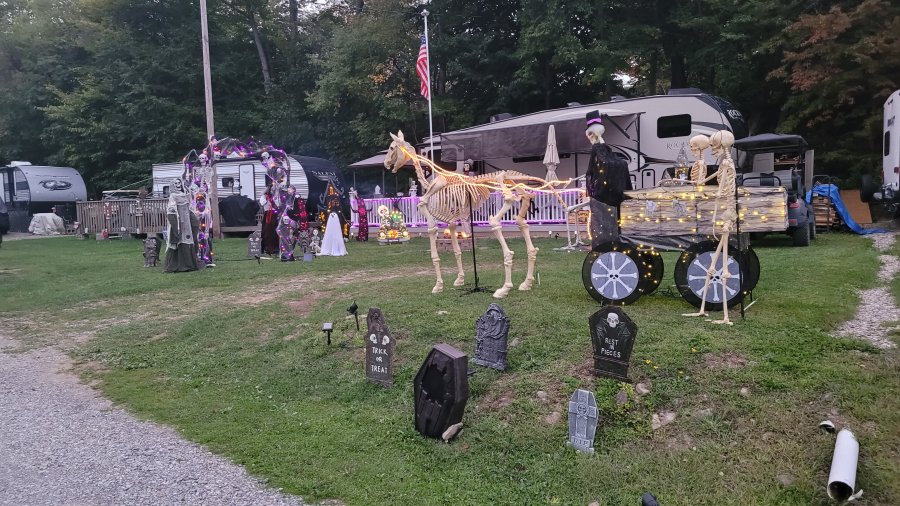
(710, 225)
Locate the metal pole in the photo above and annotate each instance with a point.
(428, 59)
(210, 128)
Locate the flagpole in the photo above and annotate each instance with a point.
(428, 56)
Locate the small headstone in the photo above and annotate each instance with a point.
(582, 420)
(612, 334)
(152, 246)
(491, 333)
(254, 245)
(441, 390)
(379, 350)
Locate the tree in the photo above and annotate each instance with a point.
(843, 69)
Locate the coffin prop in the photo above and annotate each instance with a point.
(441, 390)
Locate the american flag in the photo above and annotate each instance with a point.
(422, 69)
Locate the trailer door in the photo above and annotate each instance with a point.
(248, 180)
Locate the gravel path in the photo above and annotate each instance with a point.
(63, 444)
(877, 310)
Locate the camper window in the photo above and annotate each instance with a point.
(887, 143)
(228, 182)
(678, 125)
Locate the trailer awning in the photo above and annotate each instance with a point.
(374, 161)
(526, 135)
(768, 142)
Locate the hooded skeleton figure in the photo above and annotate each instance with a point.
(607, 180)
(178, 212)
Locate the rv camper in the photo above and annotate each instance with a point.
(648, 132)
(29, 189)
(247, 177)
(888, 193)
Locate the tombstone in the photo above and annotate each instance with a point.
(582, 420)
(441, 390)
(379, 349)
(491, 331)
(254, 245)
(612, 334)
(152, 246)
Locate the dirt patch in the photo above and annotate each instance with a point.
(726, 360)
(680, 443)
(302, 307)
(584, 370)
(497, 401)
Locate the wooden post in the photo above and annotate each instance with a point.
(213, 200)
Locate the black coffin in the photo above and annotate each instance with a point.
(441, 390)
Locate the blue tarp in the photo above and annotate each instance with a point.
(831, 191)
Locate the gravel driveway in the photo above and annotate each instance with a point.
(61, 443)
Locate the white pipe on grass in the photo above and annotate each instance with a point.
(842, 478)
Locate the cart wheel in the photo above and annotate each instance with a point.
(690, 276)
(612, 273)
(750, 262)
(655, 269)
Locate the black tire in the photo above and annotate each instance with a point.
(690, 275)
(867, 188)
(655, 270)
(800, 235)
(750, 264)
(613, 272)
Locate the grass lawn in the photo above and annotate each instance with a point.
(234, 359)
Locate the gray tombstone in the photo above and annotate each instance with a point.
(612, 336)
(582, 420)
(379, 349)
(491, 334)
(152, 246)
(254, 245)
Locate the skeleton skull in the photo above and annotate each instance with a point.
(721, 142)
(594, 133)
(612, 319)
(203, 159)
(178, 185)
(698, 143)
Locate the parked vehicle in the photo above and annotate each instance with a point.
(648, 132)
(782, 160)
(4, 217)
(30, 189)
(888, 192)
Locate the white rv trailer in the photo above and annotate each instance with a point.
(245, 177)
(30, 189)
(888, 193)
(648, 132)
(890, 163)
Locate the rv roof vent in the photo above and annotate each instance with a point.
(500, 117)
(573, 104)
(686, 91)
(616, 98)
(19, 164)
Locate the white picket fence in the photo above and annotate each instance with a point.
(545, 209)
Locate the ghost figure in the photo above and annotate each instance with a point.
(612, 319)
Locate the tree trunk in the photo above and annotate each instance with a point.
(261, 51)
(654, 71)
(679, 77)
(295, 14)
